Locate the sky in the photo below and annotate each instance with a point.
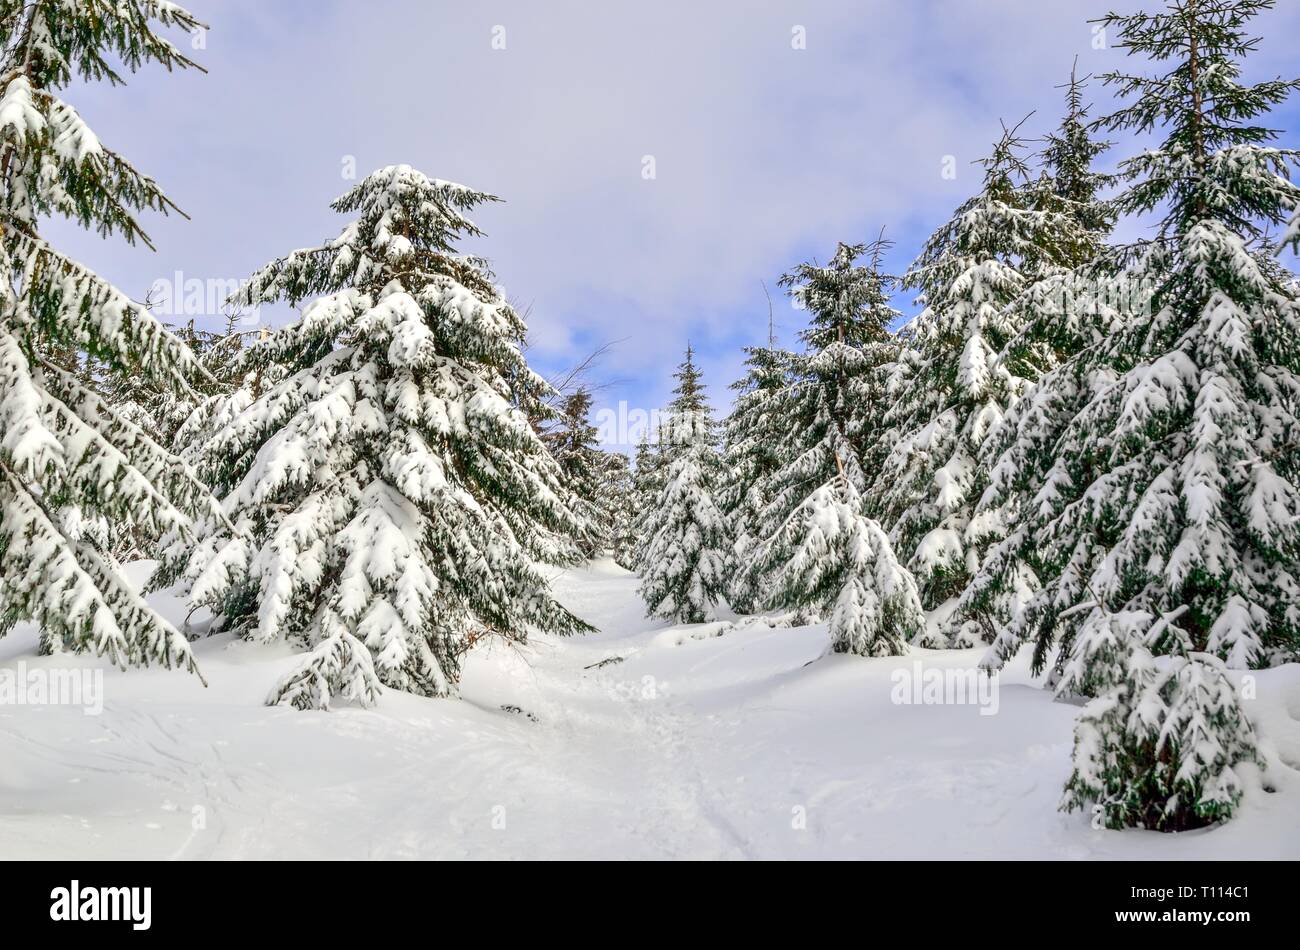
(660, 164)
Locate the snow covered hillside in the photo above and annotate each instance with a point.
(696, 741)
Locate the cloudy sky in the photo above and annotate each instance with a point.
(775, 129)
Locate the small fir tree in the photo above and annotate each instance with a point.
(683, 573)
(754, 435)
(572, 441)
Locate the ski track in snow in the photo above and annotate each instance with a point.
(748, 744)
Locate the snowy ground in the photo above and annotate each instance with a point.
(698, 745)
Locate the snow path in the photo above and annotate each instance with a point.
(692, 744)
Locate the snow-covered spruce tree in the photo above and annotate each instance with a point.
(600, 480)
(67, 458)
(1023, 477)
(683, 569)
(1074, 299)
(1073, 183)
(179, 421)
(1176, 488)
(753, 436)
(1053, 312)
(222, 356)
(969, 273)
(648, 475)
(392, 501)
(837, 384)
(830, 557)
(572, 441)
(1168, 528)
(1292, 237)
(1159, 746)
(158, 409)
(827, 413)
(616, 497)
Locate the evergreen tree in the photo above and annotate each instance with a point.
(683, 569)
(1075, 300)
(162, 411)
(1172, 505)
(656, 452)
(617, 498)
(572, 441)
(1053, 312)
(179, 421)
(242, 373)
(816, 549)
(1024, 480)
(1159, 745)
(392, 500)
(1292, 237)
(1175, 488)
(956, 390)
(827, 414)
(68, 459)
(830, 557)
(754, 434)
(838, 386)
(222, 356)
(1071, 182)
(647, 482)
(601, 481)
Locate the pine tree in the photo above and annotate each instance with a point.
(1172, 505)
(754, 434)
(572, 441)
(617, 499)
(1071, 182)
(956, 390)
(156, 409)
(601, 481)
(1159, 745)
(814, 548)
(1023, 481)
(648, 477)
(1175, 488)
(242, 373)
(1292, 236)
(683, 565)
(827, 414)
(830, 557)
(838, 386)
(68, 460)
(178, 421)
(1053, 312)
(392, 500)
(655, 453)
(222, 356)
(1074, 300)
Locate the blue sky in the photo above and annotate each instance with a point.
(764, 154)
